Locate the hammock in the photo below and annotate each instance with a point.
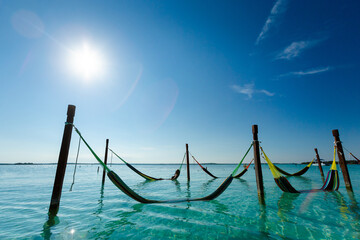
(299, 173)
(331, 183)
(352, 155)
(205, 169)
(236, 176)
(147, 177)
(243, 171)
(128, 191)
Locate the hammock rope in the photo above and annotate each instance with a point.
(76, 161)
(111, 159)
(128, 191)
(238, 166)
(351, 154)
(91, 150)
(243, 171)
(331, 183)
(134, 169)
(182, 162)
(204, 169)
(178, 171)
(299, 173)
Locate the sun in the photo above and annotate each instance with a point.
(86, 62)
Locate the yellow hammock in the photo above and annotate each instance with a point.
(331, 183)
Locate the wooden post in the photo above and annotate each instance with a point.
(105, 160)
(62, 162)
(187, 162)
(257, 162)
(342, 161)
(319, 163)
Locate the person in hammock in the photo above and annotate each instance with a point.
(176, 175)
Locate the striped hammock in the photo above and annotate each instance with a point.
(331, 183)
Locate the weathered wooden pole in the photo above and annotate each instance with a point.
(257, 162)
(319, 163)
(187, 162)
(105, 160)
(342, 161)
(62, 162)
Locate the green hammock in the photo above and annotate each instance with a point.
(299, 173)
(128, 191)
(147, 177)
(331, 183)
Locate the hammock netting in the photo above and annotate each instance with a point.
(331, 183)
(118, 182)
(299, 173)
(128, 191)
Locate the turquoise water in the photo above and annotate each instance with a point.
(93, 212)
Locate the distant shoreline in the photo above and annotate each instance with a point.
(31, 164)
(327, 163)
(350, 162)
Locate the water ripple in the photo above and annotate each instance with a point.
(91, 211)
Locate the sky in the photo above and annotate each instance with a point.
(159, 74)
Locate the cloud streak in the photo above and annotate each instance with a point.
(278, 9)
(306, 72)
(249, 90)
(270, 94)
(296, 48)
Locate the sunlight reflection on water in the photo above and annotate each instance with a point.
(91, 211)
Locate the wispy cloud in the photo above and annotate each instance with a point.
(278, 8)
(306, 72)
(270, 94)
(296, 48)
(249, 90)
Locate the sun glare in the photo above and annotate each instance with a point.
(86, 62)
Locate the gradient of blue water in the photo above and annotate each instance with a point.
(93, 212)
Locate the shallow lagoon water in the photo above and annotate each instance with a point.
(91, 211)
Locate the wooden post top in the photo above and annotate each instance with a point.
(70, 113)
(255, 129)
(335, 133)
(316, 151)
(71, 110)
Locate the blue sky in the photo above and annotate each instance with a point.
(176, 72)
